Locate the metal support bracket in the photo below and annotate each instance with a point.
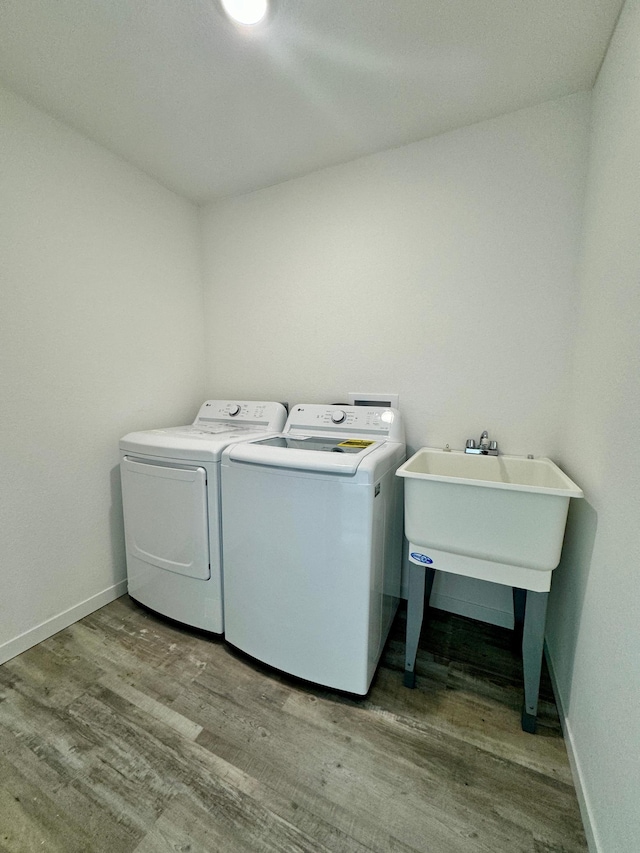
(530, 613)
(532, 647)
(420, 585)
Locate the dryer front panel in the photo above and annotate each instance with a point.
(165, 511)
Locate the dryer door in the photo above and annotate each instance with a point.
(165, 516)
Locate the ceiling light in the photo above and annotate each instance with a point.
(247, 12)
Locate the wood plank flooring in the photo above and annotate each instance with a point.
(128, 734)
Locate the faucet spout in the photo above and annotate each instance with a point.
(484, 447)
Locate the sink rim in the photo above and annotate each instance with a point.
(568, 490)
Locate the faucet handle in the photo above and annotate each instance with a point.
(493, 445)
(471, 444)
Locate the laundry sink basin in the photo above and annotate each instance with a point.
(498, 518)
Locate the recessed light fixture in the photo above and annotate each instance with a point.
(246, 12)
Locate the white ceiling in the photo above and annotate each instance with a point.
(211, 110)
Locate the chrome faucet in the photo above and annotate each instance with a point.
(484, 447)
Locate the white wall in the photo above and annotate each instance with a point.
(593, 631)
(443, 270)
(100, 333)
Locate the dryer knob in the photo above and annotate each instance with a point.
(338, 417)
(234, 410)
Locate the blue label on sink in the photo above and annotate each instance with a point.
(421, 558)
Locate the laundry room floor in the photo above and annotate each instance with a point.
(127, 733)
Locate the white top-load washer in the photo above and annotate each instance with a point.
(312, 543)
(171, 503)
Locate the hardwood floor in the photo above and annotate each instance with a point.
(128, 733)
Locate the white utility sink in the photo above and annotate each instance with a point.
(497, 518)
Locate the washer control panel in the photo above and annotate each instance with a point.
(259, 413)
(376, 421)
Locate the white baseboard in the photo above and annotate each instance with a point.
(62, 620)
(462, 607)
(574, 762)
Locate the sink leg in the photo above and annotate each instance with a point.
(420, 583)
(532, 646)
(519, 605)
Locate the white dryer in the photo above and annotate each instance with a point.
(171, 502)
(312, 543)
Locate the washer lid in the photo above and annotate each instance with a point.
(319, 443)
(327, 454)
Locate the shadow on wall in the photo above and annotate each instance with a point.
(568, 592)
(116, 527)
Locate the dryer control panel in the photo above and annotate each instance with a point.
(377, 422)
(245, 412)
